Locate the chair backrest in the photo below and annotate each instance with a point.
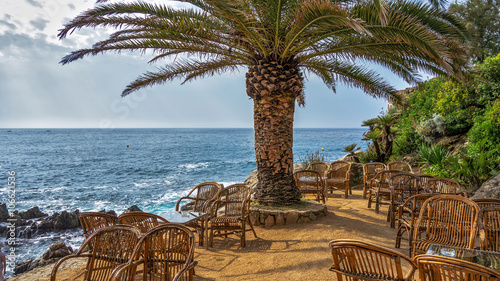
(111, 247)
(486, 202)
(167, 251)
(201, 195)
(438, 268)
(371, 169)
(93, 221)
(235, 199)
(424, 182)
(307, 179)
(318, 166)
(339, 170)
(399, 165)
(489, 227)
(404, 186)
(450, 219)
(356, 260)
(445, 186)
(142, 220)
(385, 175)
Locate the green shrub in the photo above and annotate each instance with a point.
(485, 134)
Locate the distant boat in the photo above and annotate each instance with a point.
(9, 131)
(47, 130)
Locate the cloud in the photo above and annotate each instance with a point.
(39, 23)
(34, 3)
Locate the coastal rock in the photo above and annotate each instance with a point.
(489, 189)
(111, 212)
(32, 213)
(63, 220)
(52, 255)
(4, 213)
(133, 208)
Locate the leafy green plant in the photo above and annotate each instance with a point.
(368, 156)
(471, 169)
(433, 159)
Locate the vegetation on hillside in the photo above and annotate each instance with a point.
(463, 117)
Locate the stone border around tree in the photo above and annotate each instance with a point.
(267, 218)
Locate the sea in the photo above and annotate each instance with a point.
(113, 169)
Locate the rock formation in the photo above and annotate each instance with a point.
(489, 189)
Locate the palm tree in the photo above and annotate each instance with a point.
(276, 42)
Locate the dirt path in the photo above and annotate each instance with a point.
(294, 252)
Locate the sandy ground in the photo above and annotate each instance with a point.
(294, 252)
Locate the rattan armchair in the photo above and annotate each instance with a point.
(338, 176)
(165, 253)
(424, 183)
(142, 220)
(438, 268)
(403, 185)
(310, 182)
(369, 171)
(111, 247)
(199, 197)
(449, 220)
(400, 166)
(445, 186)
(380, 188)
(356, 260)
(489, 228)
(486, 202)
(318, 166)
(230, 214)
(93, 221)
(408, 214)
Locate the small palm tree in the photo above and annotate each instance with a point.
(276, 42)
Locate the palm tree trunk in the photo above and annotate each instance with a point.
(274, 87)
(273, 124)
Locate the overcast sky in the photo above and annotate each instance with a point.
(37, 92)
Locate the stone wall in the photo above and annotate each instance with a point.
(265, 217)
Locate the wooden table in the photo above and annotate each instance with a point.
(484, 258)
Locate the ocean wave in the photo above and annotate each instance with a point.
(190, 167)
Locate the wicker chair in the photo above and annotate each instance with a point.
(438, 268)
(165, 252)
(424, 183)
(445, 186)
(199, 197)
(338, 176)
(230, 214)
(369, 171)
(403, 186)
(142, 220)
(309, 182)
(111, 247)
(379, 188)
(318, 166)
(408, 214)
(489, 228)
(400, 166)
(486, 202)
(356, 260)
(93, 221)
(449, 220)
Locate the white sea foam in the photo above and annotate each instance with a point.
(194, 166)
(101, 187)
(228, 183)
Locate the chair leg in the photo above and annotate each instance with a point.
(251, 227)
(365, 190)
(377, 204)
(243, 234)
(346, 192)
(369, 199)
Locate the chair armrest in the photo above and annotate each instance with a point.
(185, 270)
(215, 206)
(54, 269)
(125, 270)
(179, 202)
